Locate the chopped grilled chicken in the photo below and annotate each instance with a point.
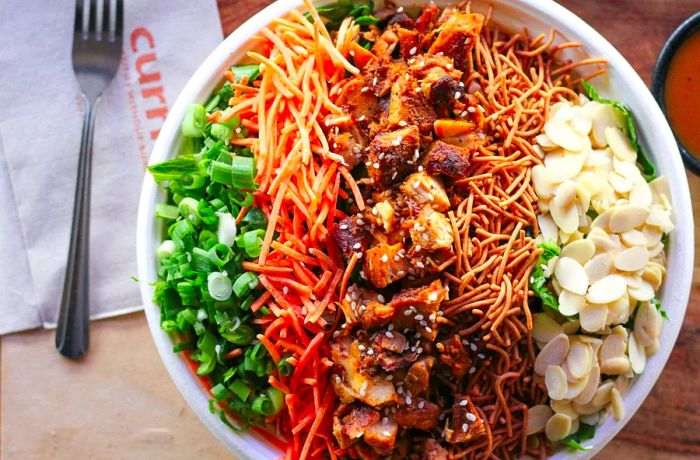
(466, 422)
(403, 20)
(418, 376)
(375, 314)
(344, 392)
(428, 17)
(393, 341)
(423, 303)
(431, 230)
(346, 353)
(363, 106)
(457, 36)
(454, 356)
(442, 93)
(448, 128)
(420, 414)
(350, 235)
(408, 42)
(391, 362)
(346, 146)
(449, 160)
(423, 188)
(385, 215)
(432, 450)
(382, 435)
(384, 263)
(350, 428)
(384, 44)
(406, 106)
(392, 154)
(380, 74)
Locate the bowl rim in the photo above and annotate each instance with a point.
(248, 446)
(678, 37)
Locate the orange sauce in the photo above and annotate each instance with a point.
(682, 93)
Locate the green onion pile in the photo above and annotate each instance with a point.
(203, 292)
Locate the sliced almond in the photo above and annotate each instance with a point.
(633, 238)
(626, 169)
(579, 359)
(631, 259)
(603, 116)
(561, 133)
(571, 327)
(613, 347)
(563, 407)
(653, 276)
(571, 275)
(543, 182)
(582, 124)
(598, 267)
(607, 289)
(640, 194)
(615, 366)
(562, 165)
(555, 381)
(620, 144)
(627, 217)
(548, 228)
(581, 251)
(619, 183)
(602, 395)
(593, 317)
(537, 417)
(544, 328)
(545, 142)
(575, 388)
(647, 324)
(593, 381)
(570, 304)
(642, 291)
(553, 354)
(591, 181)
(637, 355)
(617, 405)
(558, 427)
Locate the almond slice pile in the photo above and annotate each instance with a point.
(610, 224)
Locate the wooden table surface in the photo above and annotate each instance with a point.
(120, 403)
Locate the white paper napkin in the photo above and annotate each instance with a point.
(40, 126)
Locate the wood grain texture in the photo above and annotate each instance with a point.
(666, 425)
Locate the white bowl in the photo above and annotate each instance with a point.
(622, 83)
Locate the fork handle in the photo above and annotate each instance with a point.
(72, 332)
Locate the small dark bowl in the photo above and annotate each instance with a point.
(677, 38)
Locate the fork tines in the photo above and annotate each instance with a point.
(99, 17)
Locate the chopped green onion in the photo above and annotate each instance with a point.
(285, 367)
(219, 392)
(233, 122)
(221, 173)
(220, 254)
(254, 219)
(240, 389)
(245, 283)
(166, 211)
(250, 70)
(243, 172)
(366, 20)
(188, 209)
(173, 169)
(277, 398)
(221, 131)
(213, 103)
(166, 249)
(200, 260)
(219, 286)
(251, 241)
(194, 121)
(263, 405)
(242, 335)
(226, 232)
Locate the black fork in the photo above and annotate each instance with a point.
(97, 49)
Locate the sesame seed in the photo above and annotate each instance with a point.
(418, 247)
(420, 168)
(376, 165)
(390, 327)
(337, 378)
(385, 420)
(472, 370)
(417, 90)
(356, 246)
(463, 402)
(374, 81)
(420, 264)
(360, 222)
(408, 400)
(397, 258)
(386, 433)
(285, 290)
(407, 312)
(419, 317)
(336, 334)
(419, 350)
(471, 109)
(385, 258)
(465, 427)
(473, 347)
(389, 334)
(364, 89)
(481, 356)
(412, 51)
(361, 347)
(403, 123)
(416, 184)
(428, 330)
(389, 378)
(399, 390)
(380, 298)
(471, 417)
(399, 9)
(381, 156)
(370, 352)
(421, 64)
(458, 94)
(421, 404)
